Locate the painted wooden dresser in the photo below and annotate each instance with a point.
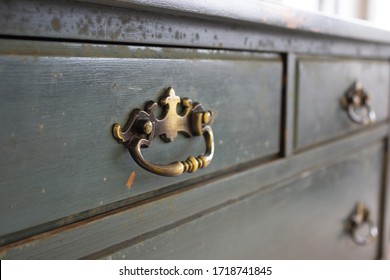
(295, 119)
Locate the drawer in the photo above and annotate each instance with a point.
(59, 161)
(321, 85)
(304, 218)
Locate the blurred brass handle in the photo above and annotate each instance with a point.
(356, 98)
(360, 217)
(363, 120)
(143, 126)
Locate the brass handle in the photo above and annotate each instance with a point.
(360, 217)
(143, 126)
(356, 98)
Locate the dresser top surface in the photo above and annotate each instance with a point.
(264, 13)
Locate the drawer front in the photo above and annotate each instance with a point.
(321, 85)
(59, 102)
(303, 219)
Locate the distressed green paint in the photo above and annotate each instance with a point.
(58, 156)
(304, 219)
(321, 84)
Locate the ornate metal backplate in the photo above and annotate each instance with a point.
(143, 126)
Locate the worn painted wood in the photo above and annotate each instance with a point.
(259, 12)
(58, 156)
(385, 201)
(304, 219)
(321, 84)
(95, 224)
(71, 20)
(289, 99)
(108, 233)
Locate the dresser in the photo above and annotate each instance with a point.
(191, 130)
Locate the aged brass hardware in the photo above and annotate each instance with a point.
(360, 217)
(356, 100)
(143, 126)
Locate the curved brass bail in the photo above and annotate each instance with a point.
(175, 168)
(143, 126)
(367, 119)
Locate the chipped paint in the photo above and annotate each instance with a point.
(130, 180)
(140, 215)
(57, 75)
(41, 127)
(304, 174)
(56, 24)
(171, 207)
(292, 20)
